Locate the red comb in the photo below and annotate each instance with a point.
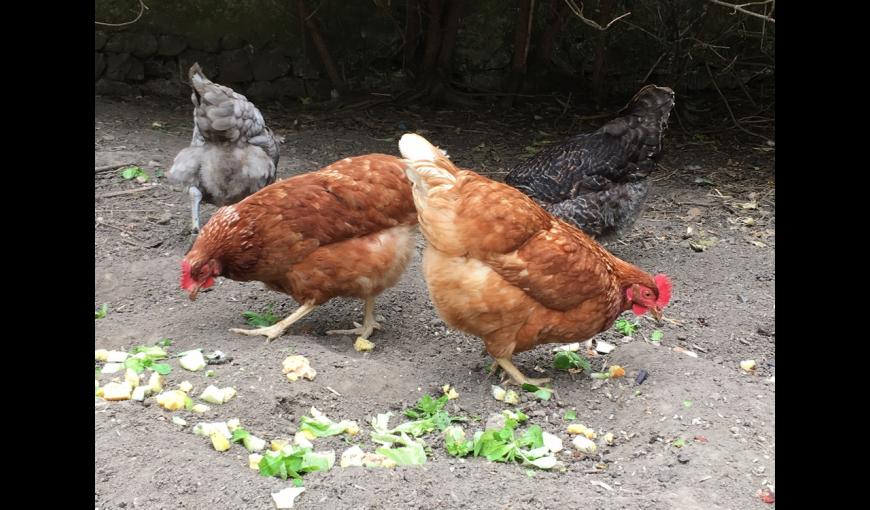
(664, 285)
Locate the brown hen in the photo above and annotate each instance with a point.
(344, 230)
(500, 267)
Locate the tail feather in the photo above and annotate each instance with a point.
(428, 168)
(222, 115)
(433, 183)
(198, 79)
(414, 147)
(195, 70)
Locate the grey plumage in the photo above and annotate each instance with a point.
(232, 153)
(599, 181)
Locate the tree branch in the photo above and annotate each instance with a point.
(742, 8)
(320, 44)
(737, 123)
(101, 169)
(578, 11)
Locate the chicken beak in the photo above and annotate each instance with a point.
(656, 313)
(192, 294)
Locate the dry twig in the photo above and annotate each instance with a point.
(737, 123)
(578, 11)
(124, 192)
(742, 8)
(107, 168)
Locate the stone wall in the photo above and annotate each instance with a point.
(133, 63)
(253, 46)
(257, 48)
(266, 56)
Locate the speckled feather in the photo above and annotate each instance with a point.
(599, 181)
(232, 152)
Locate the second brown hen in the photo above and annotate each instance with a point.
(500, 267)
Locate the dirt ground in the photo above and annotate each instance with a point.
(723, 310)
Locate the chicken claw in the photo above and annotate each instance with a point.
(359, 330)
(274, 331)
(366, 328)
(516, 376)
(270, 332)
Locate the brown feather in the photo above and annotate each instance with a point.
(344, 230)
(500, 267)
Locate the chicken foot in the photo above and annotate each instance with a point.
(195, 199)
(368, 326)
(516, 376)
(274, 331)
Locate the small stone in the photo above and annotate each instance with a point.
(666, 476)
(142, 44)
(100, 39)
(262, 91)
(235, 66)
(270, 65)
(232, 42)
(170, 45)
(99, 65)
(495, 422)
(210, 45)
(124, 66)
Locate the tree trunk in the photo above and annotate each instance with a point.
(444, 18)
(522, 38)
(600, 65)
(556, 12)
(435, 9)
(448, 38)
(412, 35)
(319, 43)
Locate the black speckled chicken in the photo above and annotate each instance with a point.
(599, 181)
(232, 154)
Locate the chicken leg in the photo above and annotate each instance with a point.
(510, 369)
(368, 325)
(195, 199)
(275, 330)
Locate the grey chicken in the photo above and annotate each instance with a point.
(232, 154)
(599, 181)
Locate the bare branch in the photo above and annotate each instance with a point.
(729, 66)
(101, 169)
(653, 68)
(578, 11)
(737, 123)
(124, 192)
(710, 47)
(742, 8)
(142, 8)
(647, 32)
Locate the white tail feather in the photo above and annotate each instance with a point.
(416, 148)
(423, 170)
